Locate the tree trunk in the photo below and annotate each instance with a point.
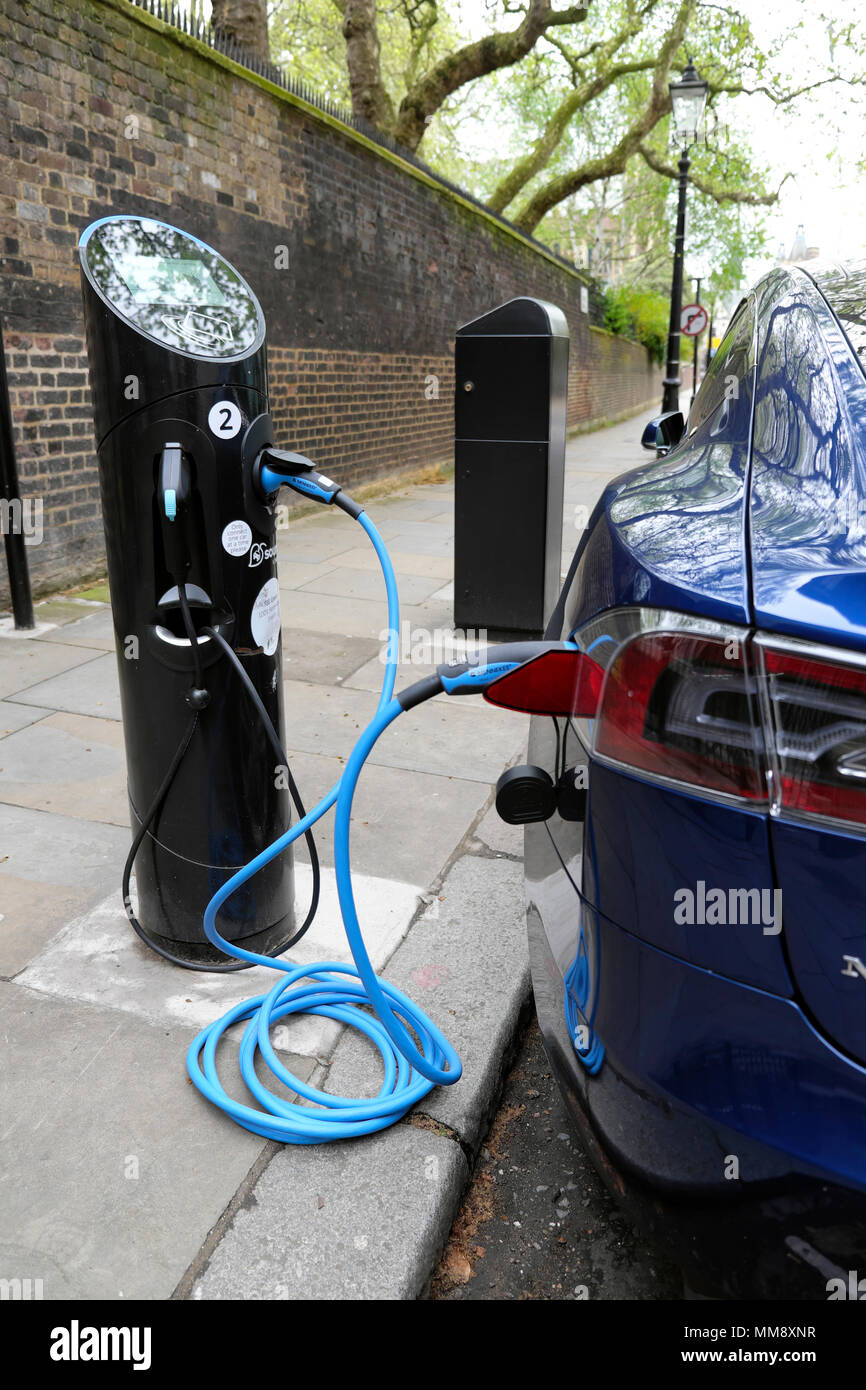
(245, 21)
(369, 97)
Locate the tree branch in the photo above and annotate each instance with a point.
(493, 52)
(525, 169)
(614, 162)
(717, 191)
(782, 98)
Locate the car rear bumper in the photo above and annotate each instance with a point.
(732, 1132)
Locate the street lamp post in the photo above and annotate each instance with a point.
(688, 98)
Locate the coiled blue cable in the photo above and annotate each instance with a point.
(330, 989)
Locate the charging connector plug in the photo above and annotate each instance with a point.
(275, 467)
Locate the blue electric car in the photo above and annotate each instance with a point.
(697, 901)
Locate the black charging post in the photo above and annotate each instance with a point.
(176, 342)
(511, 389)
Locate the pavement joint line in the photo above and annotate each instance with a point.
(239, 1199)
(419, 1119)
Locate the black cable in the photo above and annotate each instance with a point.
(558, 747)
(133, 851)
(282, 761)
(191, 635)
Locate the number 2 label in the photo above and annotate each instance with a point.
(224, 419)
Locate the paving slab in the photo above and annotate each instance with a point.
(113, 1176)
(364, 557)
(364, 1220)
(90, 687)
(465, 963)
(52, 868)
(10, 632)
(325, 658)
(432, 615)
(414, 506)
(439, 738)
(345, 617)
(24, 665)
(436, 531)
(362, 583)
(313, 547)
(70, 764)
(95, 630)
(413, 846)
(438, 538)
(65, 608)
(291, 574)
(15, 717)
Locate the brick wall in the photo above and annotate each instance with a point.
(384, 402)
(364, 266)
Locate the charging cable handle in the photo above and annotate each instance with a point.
(174, 489)
(473, 674)
(275, 467)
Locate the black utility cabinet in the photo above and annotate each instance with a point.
(511, 385)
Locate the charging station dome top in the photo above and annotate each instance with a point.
(172, 288)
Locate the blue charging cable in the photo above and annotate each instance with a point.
(416, 1056)
(330, 989)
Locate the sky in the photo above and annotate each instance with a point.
(827, 192)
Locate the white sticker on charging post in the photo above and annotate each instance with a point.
(265, 617)
(224, 420)
(237, 538)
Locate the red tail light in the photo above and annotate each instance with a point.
(692, 702)
(681, 706)
(556, 683)
(817, 709)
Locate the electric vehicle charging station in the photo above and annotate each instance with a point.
(189, 475)
(511, 391)
(176, 341)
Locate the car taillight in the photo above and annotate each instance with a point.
(817, 710)
(681, 705)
